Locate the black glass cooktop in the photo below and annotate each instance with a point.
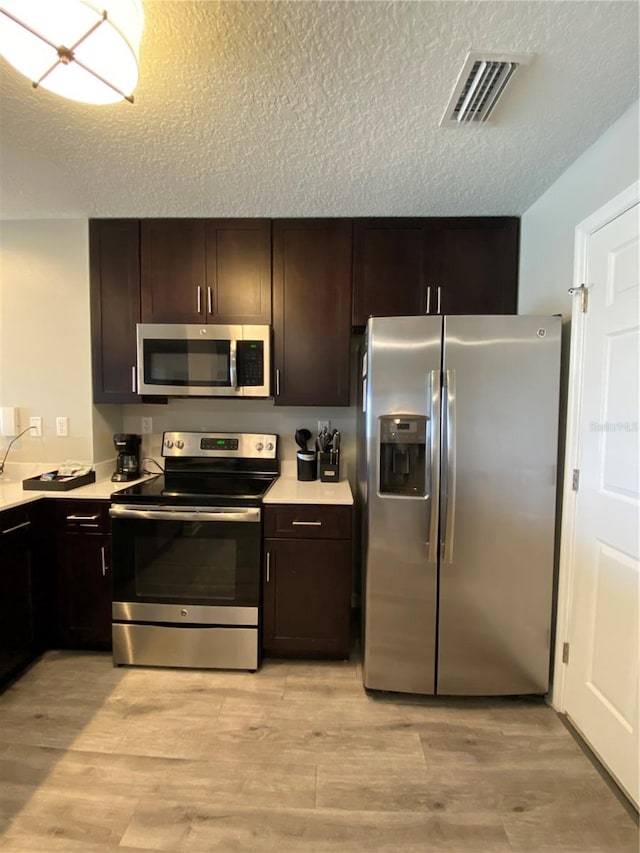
(203, 490)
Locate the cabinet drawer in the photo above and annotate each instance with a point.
(12, 520)
(78, 516)
(308, 521)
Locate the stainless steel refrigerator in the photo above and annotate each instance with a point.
(457, 491)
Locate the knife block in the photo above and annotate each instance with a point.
(329, 467)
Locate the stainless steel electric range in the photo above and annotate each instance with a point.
(187, 550)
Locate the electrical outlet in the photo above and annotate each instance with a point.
(324, 425)
(36, 427)
(62, 426)
(147, 426)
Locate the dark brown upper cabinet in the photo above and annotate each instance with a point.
(435, 266)
(312, 311)
(114, 262)
(206, 271)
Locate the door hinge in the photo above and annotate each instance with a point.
(575, 482)
(584, 296)
(565, 653)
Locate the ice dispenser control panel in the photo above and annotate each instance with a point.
(402, 455)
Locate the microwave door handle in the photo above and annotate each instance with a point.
(233, 365)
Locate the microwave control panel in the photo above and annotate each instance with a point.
(250, 362)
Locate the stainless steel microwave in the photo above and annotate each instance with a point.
(203, 361)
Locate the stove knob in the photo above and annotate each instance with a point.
(259, 446)
(269, 445)
(168, 443)
(179, 444)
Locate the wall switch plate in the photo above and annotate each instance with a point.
(9, 420)
(324, 425)
(62, 426)
(36, 427)
(147, 426)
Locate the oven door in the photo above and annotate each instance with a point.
(198, 557)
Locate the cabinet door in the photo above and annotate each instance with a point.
(16, 623)
(239, 271)
(475, 263)
(85, 594)
(312, 311)
(307, 597)
(173, 258)
(84, 573)
(114, 258)
(435, 265)
(388, 269)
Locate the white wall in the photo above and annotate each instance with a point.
(45, 365)
(609, 166)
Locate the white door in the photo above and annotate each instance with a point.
(601, 678)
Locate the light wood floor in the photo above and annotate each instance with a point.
(296, 757)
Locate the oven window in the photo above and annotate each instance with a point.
(187, 363)
(196, 562)
(167, 564)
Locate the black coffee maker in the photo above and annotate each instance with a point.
(128, 461)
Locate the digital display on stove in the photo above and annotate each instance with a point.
(218, 444)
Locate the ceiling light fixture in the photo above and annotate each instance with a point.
(83, 50)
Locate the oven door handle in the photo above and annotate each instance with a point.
(169, 513)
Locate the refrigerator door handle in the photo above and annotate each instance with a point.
(448, 531)
(433, 395)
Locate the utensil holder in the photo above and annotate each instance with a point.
(307, 465)
(329, 467)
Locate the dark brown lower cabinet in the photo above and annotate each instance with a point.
(307, 581)
(84, 574)
(17, 644)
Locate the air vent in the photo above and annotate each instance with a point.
(480, 84)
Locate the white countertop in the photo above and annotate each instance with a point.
(12, 494)
(287, 489)
(290, 490)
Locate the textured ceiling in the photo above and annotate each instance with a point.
(323, 108)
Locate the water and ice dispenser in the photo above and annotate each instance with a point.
(403, 442)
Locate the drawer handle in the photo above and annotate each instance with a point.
(306, 523)
(16, 527)
(83, 517)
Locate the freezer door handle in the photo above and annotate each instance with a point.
(433, 400)
(449, 486)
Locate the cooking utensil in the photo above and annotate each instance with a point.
(302, 436)
(335, 446)
(325, 440)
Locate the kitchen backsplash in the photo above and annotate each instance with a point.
(242, 416)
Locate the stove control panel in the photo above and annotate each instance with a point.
(241, 445)
(219, 444)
